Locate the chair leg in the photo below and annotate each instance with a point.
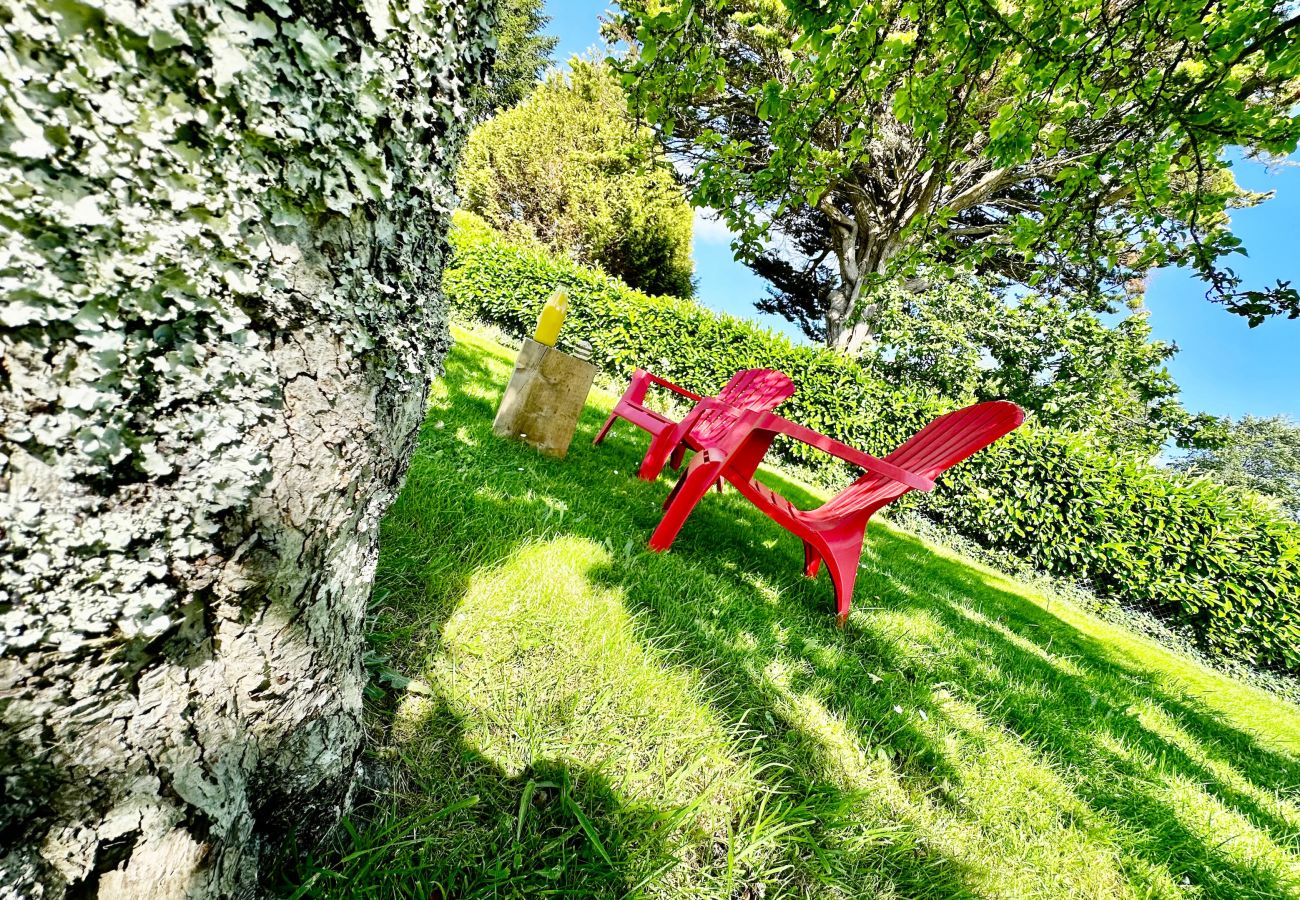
(812, 560)
(655, 456)
(679, 453)
(842, 563)
(600, 435)
(690, 489)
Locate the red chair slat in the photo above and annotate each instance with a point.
(753, 389)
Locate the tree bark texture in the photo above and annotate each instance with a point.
(861, 255)
(221, 239)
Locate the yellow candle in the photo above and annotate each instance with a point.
(552, 317)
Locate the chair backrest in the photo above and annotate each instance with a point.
(942, 444)
(956, 436)
(755, 389)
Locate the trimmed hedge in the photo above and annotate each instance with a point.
(1214, 558)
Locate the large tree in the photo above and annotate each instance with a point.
(222, 235)
(1062, 144)
(523, 54)
(569, 168)
(1259, 453)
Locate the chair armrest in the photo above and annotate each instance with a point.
(663, 382)
(849, 454)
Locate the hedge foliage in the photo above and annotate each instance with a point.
(1216, 559)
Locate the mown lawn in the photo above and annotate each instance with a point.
(593, 720)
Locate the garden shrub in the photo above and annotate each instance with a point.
(1216, 559)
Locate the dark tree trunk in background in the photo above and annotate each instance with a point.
(221, 240)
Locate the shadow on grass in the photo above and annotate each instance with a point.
(956, 739)
(554, 827)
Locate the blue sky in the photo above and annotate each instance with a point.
(1223, 366)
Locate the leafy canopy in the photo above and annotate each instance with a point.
(569, 168)
(1260, 454)
(1054, 143)
(1060, 361)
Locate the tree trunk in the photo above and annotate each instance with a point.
(224, 234)
(843, 332)
(850, 320)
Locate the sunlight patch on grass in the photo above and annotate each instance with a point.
(1228, 833)
(1226, 845)
(1282, 808)
(536, 629)
(1002, 802)
(541, 665)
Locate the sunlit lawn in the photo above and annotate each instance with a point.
(591, 719)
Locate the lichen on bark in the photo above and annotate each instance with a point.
(221, 237)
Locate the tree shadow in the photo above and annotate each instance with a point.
(568, 830)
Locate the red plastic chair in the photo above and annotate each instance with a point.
(834, 532)
(712, 419)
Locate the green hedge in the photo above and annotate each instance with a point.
(1191, 550)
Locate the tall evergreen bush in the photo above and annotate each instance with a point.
(568, 168)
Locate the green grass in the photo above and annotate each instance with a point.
(591, 719)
